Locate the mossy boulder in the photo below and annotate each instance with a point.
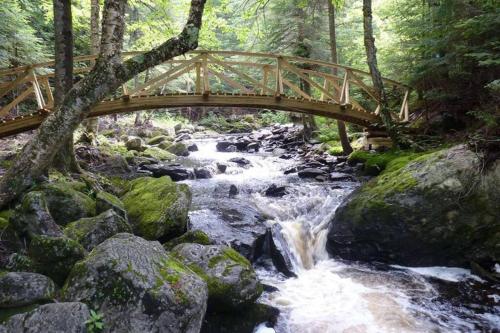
(192, 236)
(105, 201)
(55, 256)
(158, 139)
(138, 287)
(232, 282)
(32, 217)
(22, 288)
(135, 143)
(66, 202)
(179, 149)
(436, 209)
(18, 262)
(158, 154)
(157, 207)
(92, 231)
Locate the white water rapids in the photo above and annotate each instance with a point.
(331, 295)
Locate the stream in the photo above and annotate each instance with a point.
(328, 295)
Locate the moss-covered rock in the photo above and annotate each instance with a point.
(18, 262)
(92, 231)
(66, 202)
(158, 139)
(179, 149)
(435, 209)
(157, 207)
(55, 256)
(231, 280)
(138, 287)
(158, 153)
(105, 201)
(10, 241)
(192, 236)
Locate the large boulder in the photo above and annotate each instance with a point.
(92, 231)
(437, 209)
(231, 280)
(157, 207)
(66, 202)
(158, 154)
(174, 171)
(138, 287)
(53, 318)
(192, 236)
(33, 218)
(158, 139)
(55, 256)
(22, 288)
(178, 149)
(135, 143)
(105, 201)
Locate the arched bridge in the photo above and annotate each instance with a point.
(211, 78)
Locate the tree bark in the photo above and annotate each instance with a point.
(92, 124)
(64, 160)
(378, 83)
(108, 74)
(344, 139)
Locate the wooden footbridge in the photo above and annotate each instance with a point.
(213, 79)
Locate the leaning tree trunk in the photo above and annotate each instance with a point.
(344, 139)
(91, 125)
(108, 74)
(64, 160)
(378, 83)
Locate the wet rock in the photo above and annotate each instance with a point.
(312, 173)
(221, 167)
(233, 190)
(157, 207)
(55, 317)
(279, 251)
(183, 137)
(135, 143)
(202, 173)
(192, 147)
(416, 213)
(286, 156)
(22, 288)
(223, 145)
(55, 256)
(105, 201)
(138, 287)
(230, 278)
(242, 144)
(158, 154)
(255, 146)
(66, 203)
(291, 170)
(33, 218)
(177, 127)
(241, 161)
(114, 165)
(92, 231)
(275, 191)
(158, 139)
(244, 322)
(175, 172)
(178, 149)
(338, 176)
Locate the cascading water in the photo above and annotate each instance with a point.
(331, 295)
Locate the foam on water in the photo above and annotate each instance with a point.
(452, 274)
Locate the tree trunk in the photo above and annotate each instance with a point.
(92, 124)
(344, 139)
(64, 160)
(108, 74)
(378, 83)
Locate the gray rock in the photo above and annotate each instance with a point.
(275, 191)
(138, 287)
(221, 167)
(233, 190)
(92, 231)
(54, 318)
(135, 143)
(22, 288)
(192, 147)
(241, 161)
(231, 280)
(114, 165)
(202, 173)
(175, 172)
(312, 173)
(338, 176)
(224, 145)
(33, 218)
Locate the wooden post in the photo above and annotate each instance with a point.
(38, 92)
(206, 82)
(48, 92)
(198, 78)
(326, 86)
(279, 81)
(405, 111)
(265, 77)
(344, 97)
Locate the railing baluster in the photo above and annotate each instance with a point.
(265, 77)
(206, 82)
(198, 78)
(279, 81)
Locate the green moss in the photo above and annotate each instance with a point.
(154, 208)
(6, 313)
(229, 254)
(158, 139)
(193, 236)
(375, 163)
(110, 149)
(6, 214)
(178, 149)
(158, 153)
(171, 271)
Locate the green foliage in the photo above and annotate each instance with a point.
(272, 117)
(95, 323)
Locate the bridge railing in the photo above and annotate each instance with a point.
(216, 72)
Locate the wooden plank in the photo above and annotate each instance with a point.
(404, 113)
(206, 82)
(344, 95)
(279, 78)
(48, 92)
(198, 78)
(265, 78)
(6, 109)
